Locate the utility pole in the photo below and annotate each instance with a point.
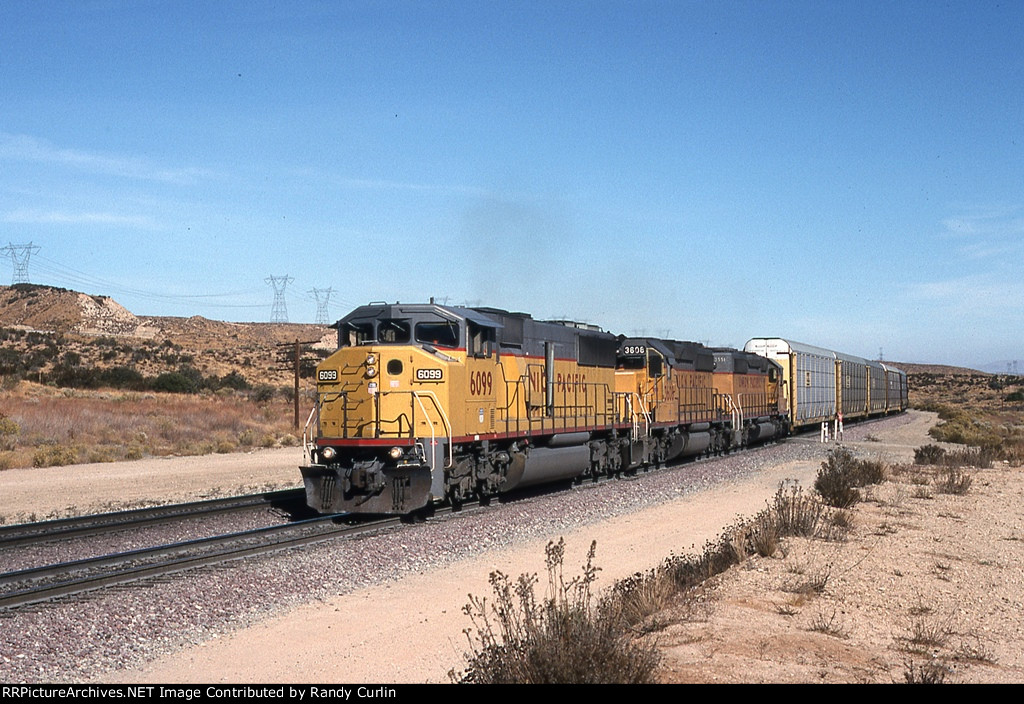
(19, 254)
(297, 350)
(279, 313)
(296, 364)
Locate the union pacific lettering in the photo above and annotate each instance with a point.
(564, 383)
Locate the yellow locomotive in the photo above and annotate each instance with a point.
(424, 403)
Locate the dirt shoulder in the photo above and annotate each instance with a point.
(55, 492)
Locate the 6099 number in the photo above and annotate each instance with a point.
(481, 384)
(429, 374)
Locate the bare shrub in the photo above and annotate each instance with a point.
(54, 456)
(796, 512)
(835, 480)
(561, 638)
(810, 584)
(926, 634)
(972, 649)
(929, 454)
(931, 672)
(841, 523)
(765, 534)
(9, 431)
(981, 457)
(841, 474)
(828, 623)
(870, 472)
(955, 481)
(975, 456)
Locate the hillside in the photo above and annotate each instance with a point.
(911, 368)
(47, 330)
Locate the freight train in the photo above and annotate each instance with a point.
(426, 403)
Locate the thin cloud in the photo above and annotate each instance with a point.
(992, 222)
(35, 217)
(19, 147)
(387, 185)
(972, 296)
(988, 233)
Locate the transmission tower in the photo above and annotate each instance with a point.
(321, 304)
(279, 313)
(19, 254)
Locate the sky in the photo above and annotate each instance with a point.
(848, 174)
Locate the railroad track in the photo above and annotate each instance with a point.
(39, 584)
(22, 534)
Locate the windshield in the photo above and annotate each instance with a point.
(445, 334)
(395, 331)
(352, 334)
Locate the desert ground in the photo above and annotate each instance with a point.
(927, 584)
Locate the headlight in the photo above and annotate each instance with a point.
(328, 453)
(395, 453)
(371, 359)
(371, 372)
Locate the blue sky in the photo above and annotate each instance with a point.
(847, 174)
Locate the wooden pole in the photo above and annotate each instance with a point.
(296, 385)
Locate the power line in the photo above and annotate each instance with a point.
(74, 277)
(56, 273)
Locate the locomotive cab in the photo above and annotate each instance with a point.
(380, 435)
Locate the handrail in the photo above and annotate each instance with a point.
(643, 411)
(412, 423)
(444, 418)
(737, 413)
(307, 439)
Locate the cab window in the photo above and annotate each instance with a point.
(444, 334)
(631, 362)
(481, 340)
(393, 331)
(353, 334)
